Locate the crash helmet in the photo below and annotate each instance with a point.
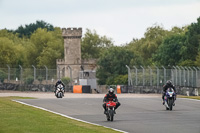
(111, 91)
(59, 81)
(169, 82)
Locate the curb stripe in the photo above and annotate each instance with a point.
(68, 116)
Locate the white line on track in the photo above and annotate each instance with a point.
(68, 116)
(190, 99)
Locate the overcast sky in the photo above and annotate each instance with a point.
(121, 20)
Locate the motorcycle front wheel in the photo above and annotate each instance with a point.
(171, 104)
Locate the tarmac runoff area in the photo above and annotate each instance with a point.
(138, 113)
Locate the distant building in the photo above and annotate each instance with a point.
(72, 65)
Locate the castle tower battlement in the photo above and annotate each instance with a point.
(72, 32)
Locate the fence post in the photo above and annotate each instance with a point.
(179, 74)
(70, 69)
(136, 82)
(143, 76)
(129, 77)
(164, 74)
(21, 70)
(192, 76)
(157, 75)
(150, 76)
(34, 73)
(176, 74)
(8, 73)
(58, 72)
(46, 73)
(198, 73)
(184, 80)
(196, 77)
(188, 76)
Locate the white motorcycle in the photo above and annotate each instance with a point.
(60, 91)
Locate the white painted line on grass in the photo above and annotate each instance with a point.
(69, 116)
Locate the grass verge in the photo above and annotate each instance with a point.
(19, 118)
(191, 97)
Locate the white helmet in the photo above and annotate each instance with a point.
(111, 91)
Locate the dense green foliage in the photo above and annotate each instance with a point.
(66, 80)
(42, 48)
(92, 45)
(2, 76)
(28, 29)
(41, 44)
(113, 63)
(29, 80)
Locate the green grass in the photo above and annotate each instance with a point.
(19, 118)
(191, 97)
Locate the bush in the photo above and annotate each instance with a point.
(29, 80)
(66, 80)
(40, 78)
(2, 76)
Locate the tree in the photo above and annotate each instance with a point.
(27, 30)
(2, 76)
(197, 62)
(92, 44)
(7, 50)
(147, 46)
(171, 51)
(193, 40)
(46, 47)
(112, 63)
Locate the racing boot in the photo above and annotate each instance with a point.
(105, 112)
(163, 102)
(114, 111)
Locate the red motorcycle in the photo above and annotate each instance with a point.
(110, 110)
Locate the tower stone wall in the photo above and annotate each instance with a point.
(72, 63)
(72, 45)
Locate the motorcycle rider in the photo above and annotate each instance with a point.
(110, 96)
(57, 83)
(165, 87)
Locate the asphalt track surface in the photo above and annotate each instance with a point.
(135, 115)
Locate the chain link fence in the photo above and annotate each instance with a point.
(157, 76)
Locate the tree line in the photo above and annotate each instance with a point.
(41, 44)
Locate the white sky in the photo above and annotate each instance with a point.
(121, 20)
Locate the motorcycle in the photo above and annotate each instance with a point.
(59, 91)
(169, 98)
(110, 110)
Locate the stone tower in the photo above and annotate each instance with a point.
(70, 66)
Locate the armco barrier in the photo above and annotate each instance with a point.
(77, 89)
(82, 89)
(86, 89)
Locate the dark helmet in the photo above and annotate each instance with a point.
(59, 81)
(111, 91)
(169, 82)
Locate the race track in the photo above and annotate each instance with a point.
(135, 115)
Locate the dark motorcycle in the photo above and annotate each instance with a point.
(110, 110)
(59, 91)
(169, 98)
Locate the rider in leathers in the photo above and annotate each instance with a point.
(165, 87)
(110, 96)
(57, 83)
